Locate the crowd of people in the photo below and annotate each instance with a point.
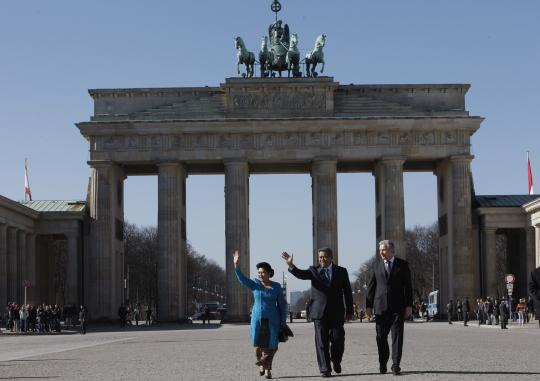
(43, 318)
(492, 311)
(127, 314)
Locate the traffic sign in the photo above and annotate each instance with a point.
(510, 278)
(509, 286)
(26, 283)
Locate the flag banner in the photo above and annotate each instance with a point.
(27, 192)
(529, 174)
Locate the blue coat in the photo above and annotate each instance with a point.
(268, 303)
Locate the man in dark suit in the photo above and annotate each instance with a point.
(389, 295)
(331, 302)
(534, 290)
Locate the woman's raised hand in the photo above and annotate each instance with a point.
(236, 258)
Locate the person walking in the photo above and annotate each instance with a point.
(389, 296)
(534, 290)
(450, 310)
(466, 307)
(504, 312)
(331, 303)
(268, 314)
(82, 319)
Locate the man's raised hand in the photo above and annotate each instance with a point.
(288, 258)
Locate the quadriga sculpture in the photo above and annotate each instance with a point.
(315, 56)
(293, 57)
(244, 57)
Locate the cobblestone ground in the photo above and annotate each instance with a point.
(432, 351)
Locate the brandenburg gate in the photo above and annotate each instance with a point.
(273, 125)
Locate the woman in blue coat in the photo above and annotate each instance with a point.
(268, 313)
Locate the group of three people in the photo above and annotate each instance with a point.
(389, 297)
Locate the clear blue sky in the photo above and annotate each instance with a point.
(53, 51)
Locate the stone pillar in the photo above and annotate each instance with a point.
(72, 270)
(21, 264)
(31, 268)
(237, 237)
(463, 257)
(104, 263)
(3, 266)
(490, 262)
(324, 201)
(390, 211)
(12, 265)
(537, 244)
(455, 227)
(530, 252)
(172, 272)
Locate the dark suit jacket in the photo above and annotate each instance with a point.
(392, 294)
(534, 290)
(328, 301)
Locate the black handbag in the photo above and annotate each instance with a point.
(284, 333)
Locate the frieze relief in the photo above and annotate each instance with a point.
(279, 102)
(285, 140)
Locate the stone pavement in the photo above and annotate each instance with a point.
(432, 351)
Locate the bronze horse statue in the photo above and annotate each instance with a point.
(244, 57)
(315, 56)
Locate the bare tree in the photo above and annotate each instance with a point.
(205, 278)
(422, 248)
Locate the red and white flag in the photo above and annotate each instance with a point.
(529, 174)
(27, 193)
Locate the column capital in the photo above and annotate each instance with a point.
(237, 162)
(169, 163)
(461, 158)
(100, 163)
(392, 160)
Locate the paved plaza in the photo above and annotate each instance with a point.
(432, 351)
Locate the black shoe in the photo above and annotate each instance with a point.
(337, 368)
(396, 370)
(326, 374)
(382, 369)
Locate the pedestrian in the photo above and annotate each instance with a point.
(148, 315)
(83, 318)
(331, 303)
(450, 310)
(466, 307)
(521, 308)
(534, 290)
(268, 314)
(504, 312)
(459, 310)
(206, 314)
(496, 311)
(389, 296)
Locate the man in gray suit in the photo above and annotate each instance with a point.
(389, 296)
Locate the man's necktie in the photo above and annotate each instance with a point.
(388, 268)
(324, 276)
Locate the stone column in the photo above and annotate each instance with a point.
(237, 237)
(21, 264)
(530, 252)
(464, 262)
(31, 268)
(490, 262)
(324, 201)
(171, 262)
(12, 265)
(390, 213)
(72, 270)
(104, 270)
(537, 244)
(3, 266)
